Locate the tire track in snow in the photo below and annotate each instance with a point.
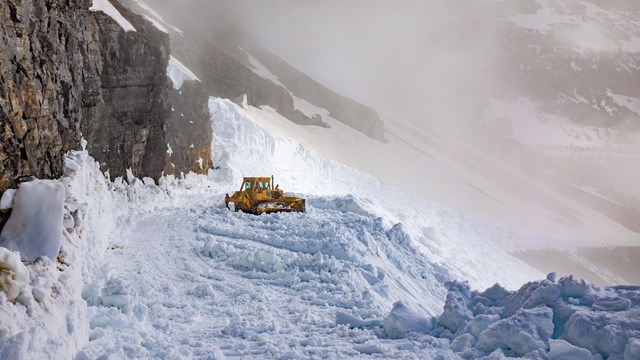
(272, 289)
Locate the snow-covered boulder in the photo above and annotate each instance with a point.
(35, 226)
(13, 274)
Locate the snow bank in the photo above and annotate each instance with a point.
(106, 7)
(43, 312)
(48, 318)
(178, 73)
(35, 226)
(568, 319)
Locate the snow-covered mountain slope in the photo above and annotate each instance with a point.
(539, 85)
(446, 171)
(168, 272)
(535, 175)
(254, 141)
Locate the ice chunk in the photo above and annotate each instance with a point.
(35, 226)
(202, 291)
(117, 294)
(462, 343)
(528, 330)
(369, 349)
(6, 202)
(573, 288)
(243, 102)
(403, 320)
(106, 7)
(600, 332)
(496, 292)
(633, 350)
(481, 322)
(562, 350)
(343, 318)
(70, 166)
(13, 274)
(612, 303)
(455, 308)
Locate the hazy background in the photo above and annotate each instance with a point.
(529, 83)
(523, 112)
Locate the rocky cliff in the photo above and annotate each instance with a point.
(67, 72)
(226, 61)
(225, 76)
(189, 130)
(49, 69)
(128, 103)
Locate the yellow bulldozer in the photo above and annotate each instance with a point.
(257, 196)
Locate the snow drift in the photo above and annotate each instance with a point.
(567, 319)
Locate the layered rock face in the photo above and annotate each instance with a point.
(188, 130)
(354, 114)
(67, 72)
(228, 72)
(49, 59)
(225, 76)
(128, 103)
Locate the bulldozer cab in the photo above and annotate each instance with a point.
(256, 184)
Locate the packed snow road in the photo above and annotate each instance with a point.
(204, 282)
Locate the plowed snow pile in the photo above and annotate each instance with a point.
(167, 271)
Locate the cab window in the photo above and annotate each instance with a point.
(261, 185)
(247, 185)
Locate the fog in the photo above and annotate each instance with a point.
(438, 64)
(388, 54)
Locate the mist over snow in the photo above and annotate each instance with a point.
(518, 82)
